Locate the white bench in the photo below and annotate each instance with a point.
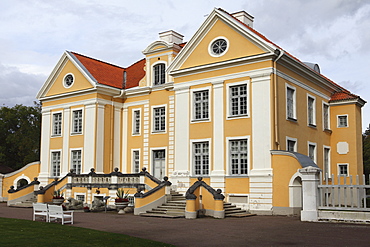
(40, 210)
(56, 212)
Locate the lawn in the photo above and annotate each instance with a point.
(15, 232)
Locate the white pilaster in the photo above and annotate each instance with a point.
(89, 138)
(66, 134)
(218, 172)
(310, 181)
(100, 139)
(124, 165)
(180, 175)
(45, 147)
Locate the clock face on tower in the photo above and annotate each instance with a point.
(68, 80)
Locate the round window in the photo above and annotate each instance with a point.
(219, 46)
(68, 80)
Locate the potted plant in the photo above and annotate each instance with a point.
(58, 198)
(86, 209)
(122, 200)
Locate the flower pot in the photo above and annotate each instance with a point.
(121, 206)
(58, 201)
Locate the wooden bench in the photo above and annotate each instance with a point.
(56, 212)
(40, 210)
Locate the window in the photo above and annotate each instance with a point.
(343, 169)
(136, 161)
(80, 197)
(68, 80)
(312, 151)
(311, 111)
(77, 122)
(57, 124)
(159, 73)
(55, 163)
(136, 122)
(238, 157)
(326, 116)
(218, 47)
(238, 100)
(201, 103)
(201, 158)
(327, 162)
(76, 161)
(291, 145)
(159, 123)
(290, 103)
(342, 121)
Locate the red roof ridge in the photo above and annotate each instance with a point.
(75, 53)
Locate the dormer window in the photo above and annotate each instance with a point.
(159, 73)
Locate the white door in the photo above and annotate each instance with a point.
(159, 163)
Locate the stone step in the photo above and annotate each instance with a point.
(235, 211)
(171, 203)
(232, 209)
(239, 215)
(172, 216)
(164, 210)
(172, 207)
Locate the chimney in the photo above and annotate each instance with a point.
(171, 37)
(244, 17)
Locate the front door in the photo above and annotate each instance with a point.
(159, 163)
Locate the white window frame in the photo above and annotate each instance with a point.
(328, 170)
(323, 116)
(73, 132)
(338, 122)
(80, 194)
(343, 164)
(315, 151)
(154, 131)
(229, 98)
(153, 72)
(192, 157)
(313, 124)
(64, 77)
(294, 103)
(52, 170)
(54, 124)
(210, 51)
(291, 139)
(134, 123)
(192, 93)
(81, 160)
(151, 158)
(228, 161)
(133, 160)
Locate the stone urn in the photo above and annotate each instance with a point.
(58, 201)
(120, 206)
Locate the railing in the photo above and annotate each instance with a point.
(344, 193)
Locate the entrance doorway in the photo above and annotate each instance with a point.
(159, 163)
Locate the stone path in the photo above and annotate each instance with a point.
(250, 231)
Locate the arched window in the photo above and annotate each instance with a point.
(159, 73)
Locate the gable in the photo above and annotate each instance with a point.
(238, 46)
(57, 86)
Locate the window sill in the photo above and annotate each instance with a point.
(53, 136)
(294, 120)
(237, 117)
(76, 133)
(312, 126)
(136, 134)
(158, 132)
(238, 176)
(200, 120)
(328, 131)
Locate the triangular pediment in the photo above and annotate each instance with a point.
(242, 42)
(56, 84)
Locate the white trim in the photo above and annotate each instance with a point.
(151, 166)
(60, 162)
(71, 159)
(53, 123)
(315, 151)
(152, 76)
(165, 119)
(329, 161)
(80, 194)
(287, 138)
(323, 117)
(132, 159)
(15, 182)
(133, 123)
(313, 124)
(228, 163)
(338, 169)
(210, 155)
(192, 111)
(294, 101)
(342, 115)
(64, 83)
(228, 99)
(117, 127)
(124, 140)
(210, 51)
(82, 119)
(99, 146)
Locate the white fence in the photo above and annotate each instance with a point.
(344, 193)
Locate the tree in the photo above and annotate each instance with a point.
(20, 130)
(366, 151)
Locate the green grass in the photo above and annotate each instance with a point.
(15, 232)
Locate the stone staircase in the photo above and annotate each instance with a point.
(26, 203)
(175, 208)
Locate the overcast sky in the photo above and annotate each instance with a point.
(34, 34)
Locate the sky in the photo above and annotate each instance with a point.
(34, 34)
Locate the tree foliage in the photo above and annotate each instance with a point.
(366, 151)
(20, 130)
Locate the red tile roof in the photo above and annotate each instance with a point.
(135, 73)
(338, 96)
